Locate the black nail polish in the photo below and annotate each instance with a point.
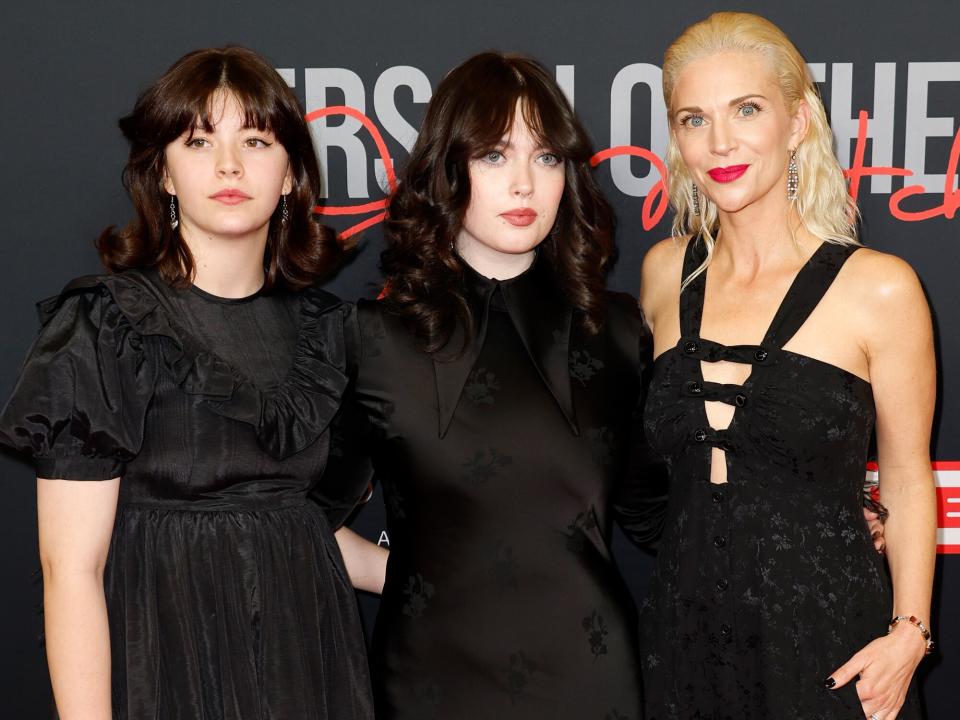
(829, 683)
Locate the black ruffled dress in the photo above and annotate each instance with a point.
(226, 592)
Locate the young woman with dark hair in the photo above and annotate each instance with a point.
(194, 580)
(495, 389)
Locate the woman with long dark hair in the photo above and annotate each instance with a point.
(494, 388)
(177, 409)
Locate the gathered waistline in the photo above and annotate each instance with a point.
(222, 505)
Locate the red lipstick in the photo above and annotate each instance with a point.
(727, 174)
(230, 196)
(519, 217)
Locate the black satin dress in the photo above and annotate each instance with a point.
(226, 593)
(768, 583)
(502, 600)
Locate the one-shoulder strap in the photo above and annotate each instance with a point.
(691, 297)
(806, 291)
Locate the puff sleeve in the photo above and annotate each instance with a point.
(79, 406)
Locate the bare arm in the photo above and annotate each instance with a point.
(75, 521)
(366, 561)
(899, 348)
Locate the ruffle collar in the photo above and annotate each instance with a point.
(287, 419)
(542, 317)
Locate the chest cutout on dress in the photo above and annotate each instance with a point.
(724, 376)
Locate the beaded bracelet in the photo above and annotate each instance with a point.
(918, 624)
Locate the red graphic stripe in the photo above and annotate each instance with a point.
(649, 216)
(387, 167)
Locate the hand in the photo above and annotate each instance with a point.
(885, 667)
(876, 529)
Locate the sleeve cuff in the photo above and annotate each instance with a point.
(78, 468)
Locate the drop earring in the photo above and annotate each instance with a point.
(174, 221)
(696, 201)
(284, 213)
(793, 177)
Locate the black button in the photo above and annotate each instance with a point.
(700, 435)
(695, 387)
(691, 346)
(719, 541)
(760, 355)
(740, 400)
(722, 584)
(717, 498)
(725, 630)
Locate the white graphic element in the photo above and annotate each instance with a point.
(945, 475)
(920, 126)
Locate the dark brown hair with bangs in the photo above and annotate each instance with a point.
(470, 112)
(299, 251)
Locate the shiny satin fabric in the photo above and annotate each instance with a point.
(499, 468)
(226, 593)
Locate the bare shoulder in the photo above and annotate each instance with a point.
(881, 280)
(664, 257)
(660, 275)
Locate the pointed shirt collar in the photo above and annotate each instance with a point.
(542, 318)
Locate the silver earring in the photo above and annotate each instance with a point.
(173, 214)
(284, 213)
(793, 177)
(696, 201)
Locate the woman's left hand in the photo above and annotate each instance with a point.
(885, 667)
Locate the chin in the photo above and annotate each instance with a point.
(731, 203)
(518, 248)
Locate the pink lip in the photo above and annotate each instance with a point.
(727, 174)
(519, 217)
(230, 196)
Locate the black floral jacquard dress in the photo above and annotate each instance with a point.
(767, 583)
(502, 600)
(226, 593)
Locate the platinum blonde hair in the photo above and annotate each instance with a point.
(823, 203)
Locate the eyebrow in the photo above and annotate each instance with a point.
(732, 103)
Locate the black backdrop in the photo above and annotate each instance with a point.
(70, 70)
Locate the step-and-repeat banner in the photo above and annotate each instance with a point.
(889, 74)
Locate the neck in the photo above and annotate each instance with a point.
(492, 263)
(229, 268)
(757, 237)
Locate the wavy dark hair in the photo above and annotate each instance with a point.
(299, 251)
(471, 110)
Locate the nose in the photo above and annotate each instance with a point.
(228, 161)
(521, 183)
(722, 138)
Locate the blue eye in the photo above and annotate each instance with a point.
(550, 159)
(694, 121)
(749, 109)
(493, 156)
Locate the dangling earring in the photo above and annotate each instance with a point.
(696, 201)
(793, 177)
(284, 213)
(173, 214)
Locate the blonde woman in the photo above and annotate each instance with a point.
(780, 346)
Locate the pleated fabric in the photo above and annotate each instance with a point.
(226, 593)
